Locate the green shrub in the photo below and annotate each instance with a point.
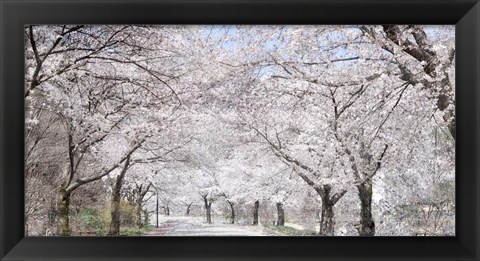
(134, 231)
(127, 216)
(93, 220)
(290, 231)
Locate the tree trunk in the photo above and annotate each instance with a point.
(327, 221)
(157, 210)
(208, 209)
(255, 212)
(52, 213)
(115, 214)
(452, 128)
(367, 225)
(146, 218)
(138, 212)
(187, 213)
(63, 211)
(115, 205)
(140, 193)
(209, 213)
(232, 212)
(280, 214)
(167, 211)
(327, 218)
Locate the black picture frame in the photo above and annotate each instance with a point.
(465, 14)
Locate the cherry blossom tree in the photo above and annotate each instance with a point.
(353, 124)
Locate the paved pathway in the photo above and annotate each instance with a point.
(195, 226)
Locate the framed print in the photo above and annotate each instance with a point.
(239, 130)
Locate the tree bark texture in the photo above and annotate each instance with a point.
(280, 214)
(327, 219)
(367, 224)
(63, 213)
(232, 212)
(208, 210)
(255, 212)
(115, 204)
